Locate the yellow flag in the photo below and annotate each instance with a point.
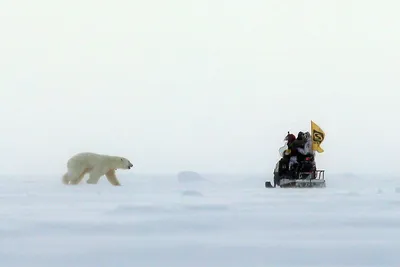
(318, 137)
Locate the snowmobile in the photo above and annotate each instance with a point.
(304, 174)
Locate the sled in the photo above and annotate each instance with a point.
(314, 179)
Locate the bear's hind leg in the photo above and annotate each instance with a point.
(112, 178)
(75, 175)
(65, 178)
(70, 176)
(94, 176)
(80, 177)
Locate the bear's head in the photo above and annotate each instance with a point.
(124, 163)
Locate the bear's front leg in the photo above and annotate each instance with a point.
(94, 176)
(112, 178)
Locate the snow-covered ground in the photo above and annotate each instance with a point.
(232, 221)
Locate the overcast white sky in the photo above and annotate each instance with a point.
(205, 85)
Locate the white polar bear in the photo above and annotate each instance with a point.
(96, 165)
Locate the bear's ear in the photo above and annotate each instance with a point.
(122, 160)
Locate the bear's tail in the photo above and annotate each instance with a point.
(65, 178)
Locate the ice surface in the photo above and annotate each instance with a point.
(231, 221)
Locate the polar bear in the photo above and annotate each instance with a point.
(96, 165)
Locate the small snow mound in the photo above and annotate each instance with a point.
(129, 209)
(348, 193)
(349, 175)
(397, 190)
(207, 207)
(190, 176)
(192, 193)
